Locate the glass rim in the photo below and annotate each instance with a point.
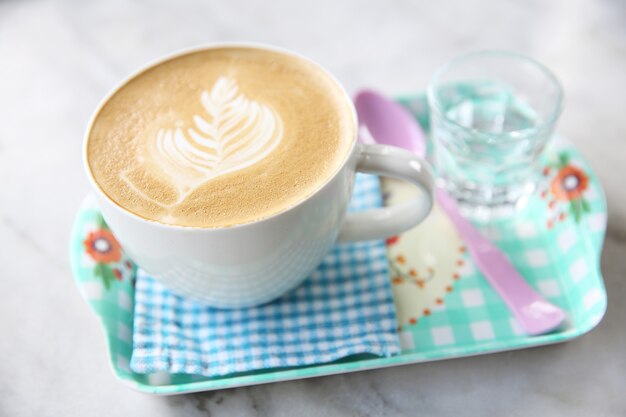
(511, 136)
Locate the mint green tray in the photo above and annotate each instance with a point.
(446, 309)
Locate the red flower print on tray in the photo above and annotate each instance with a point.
(568, 186)
(102, 247)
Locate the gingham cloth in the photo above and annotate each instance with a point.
(344, 308)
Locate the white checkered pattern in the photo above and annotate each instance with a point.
(578, 270)
(482, 330)
(525, 230)
(549, 288)
(592, 297)
(442, 335)
(344, 308)
(537, 258)
(472, 298)
(566, 240)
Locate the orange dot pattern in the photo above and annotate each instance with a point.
(421, 283)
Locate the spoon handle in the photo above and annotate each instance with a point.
(533, 312)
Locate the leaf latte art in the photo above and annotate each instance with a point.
(233, 133)
(220, 136)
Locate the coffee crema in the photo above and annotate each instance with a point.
(220, 137)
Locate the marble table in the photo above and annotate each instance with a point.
(57, 60)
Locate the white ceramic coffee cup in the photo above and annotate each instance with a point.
(253, 263)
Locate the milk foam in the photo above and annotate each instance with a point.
(220, 137)
(233, 133)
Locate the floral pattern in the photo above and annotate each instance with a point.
(101, 246)
(567, 186)
(422, 268)
(400, 274)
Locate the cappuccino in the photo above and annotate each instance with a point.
(220, 137)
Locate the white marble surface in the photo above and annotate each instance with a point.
(57, 59)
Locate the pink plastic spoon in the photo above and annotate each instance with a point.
(390, 124)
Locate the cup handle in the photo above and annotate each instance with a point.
(384, 222)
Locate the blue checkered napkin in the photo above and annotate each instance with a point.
(344, 308)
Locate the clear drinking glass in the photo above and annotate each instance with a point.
(492, 114)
